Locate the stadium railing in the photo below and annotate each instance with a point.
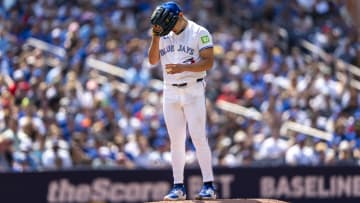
(342, 67)
(286, 126)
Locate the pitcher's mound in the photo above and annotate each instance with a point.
(226, 201)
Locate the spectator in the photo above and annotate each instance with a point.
(300, 153)
(103, 160)
(345, 154)
(56, 155)
(324, 154)
(81, 155)
(25, 159)
(273, 148)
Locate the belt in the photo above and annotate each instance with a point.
(185, 83)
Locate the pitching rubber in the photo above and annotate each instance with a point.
(226, 201)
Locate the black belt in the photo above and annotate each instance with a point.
(185, 83)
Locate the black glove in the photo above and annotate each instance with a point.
(165, 19)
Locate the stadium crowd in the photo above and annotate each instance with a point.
(56, 112)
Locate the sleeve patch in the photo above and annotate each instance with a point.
(205, 39)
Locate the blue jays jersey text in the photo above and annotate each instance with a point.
(180, 48)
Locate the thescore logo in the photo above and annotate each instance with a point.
(310, 186)
(103, 190)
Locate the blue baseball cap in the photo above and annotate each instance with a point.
(172, 7)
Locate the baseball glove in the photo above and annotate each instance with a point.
(165, 16)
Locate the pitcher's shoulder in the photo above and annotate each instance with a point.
(197, 27)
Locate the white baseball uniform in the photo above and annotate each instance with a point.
(185, 104)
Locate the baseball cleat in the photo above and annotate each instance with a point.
(176, 193)
(207, 192)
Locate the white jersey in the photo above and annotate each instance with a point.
(184, 48)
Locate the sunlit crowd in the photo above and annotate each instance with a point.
(58, 112)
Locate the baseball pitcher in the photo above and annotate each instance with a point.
(185, 50)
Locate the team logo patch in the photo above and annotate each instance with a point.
(205, 39)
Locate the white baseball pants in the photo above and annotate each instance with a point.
(186, 106)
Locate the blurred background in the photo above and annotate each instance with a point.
(77, 91)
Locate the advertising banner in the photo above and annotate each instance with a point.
(297, 185)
